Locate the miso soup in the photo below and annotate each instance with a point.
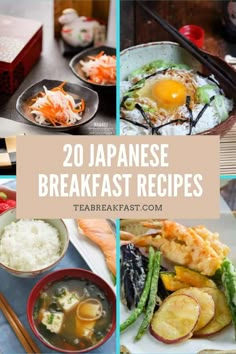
(73, 314)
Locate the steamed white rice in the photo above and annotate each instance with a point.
(212, 116)
(29, 245)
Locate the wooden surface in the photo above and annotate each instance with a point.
(52, 65)
(82, 7)
(98, 9)
(137, 27)
(228, 153)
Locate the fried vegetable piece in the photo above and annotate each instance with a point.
(133, 274)
(142, 302)
(152, 297)
(171, 283)
(193, 278)
(222, 315)
(194, 247)
(205, 301)
(124, 350)
(176, 319)
(163, 293)
(229, 283)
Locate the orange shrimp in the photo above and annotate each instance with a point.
(100, 232)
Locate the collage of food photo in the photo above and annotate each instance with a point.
(110, 286)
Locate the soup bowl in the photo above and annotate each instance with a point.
(9, 217)
(65, 274)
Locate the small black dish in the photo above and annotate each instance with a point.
(90, 97)
(76, 67)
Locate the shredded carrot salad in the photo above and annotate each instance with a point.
(56, 107)
(100, 69)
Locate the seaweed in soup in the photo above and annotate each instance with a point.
(56, 313)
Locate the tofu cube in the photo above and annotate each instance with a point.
(53, 321)
(69, 301)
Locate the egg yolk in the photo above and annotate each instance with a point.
(169, 94)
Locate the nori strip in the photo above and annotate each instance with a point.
(200, 114)
(188, 100)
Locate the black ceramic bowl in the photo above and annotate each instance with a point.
(90, 97)
(76, 66)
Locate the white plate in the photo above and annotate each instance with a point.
(225, 340)
(90, 252)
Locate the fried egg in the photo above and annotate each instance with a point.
(193, 102)
(169, 91)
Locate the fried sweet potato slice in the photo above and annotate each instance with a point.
(176, 319)
(222, 315)
(205, 301)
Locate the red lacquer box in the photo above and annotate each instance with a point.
(20, 48)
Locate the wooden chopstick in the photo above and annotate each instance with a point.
(17, 331)
(206, 59)
(17, 326)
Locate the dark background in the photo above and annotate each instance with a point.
(137, 27)
(52, 65)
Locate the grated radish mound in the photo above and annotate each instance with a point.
(29, 245)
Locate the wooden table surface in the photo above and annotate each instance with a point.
(228, 153)
(52, 65)
(137, 27)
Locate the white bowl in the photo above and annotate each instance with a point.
(10, 216)
(135, 57)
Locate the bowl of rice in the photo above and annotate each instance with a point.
(164, 90)
(29, 247)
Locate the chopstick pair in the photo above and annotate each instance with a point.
(20, 331)
(224, 74)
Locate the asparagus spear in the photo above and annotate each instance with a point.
(229, 282)
(152, 296)
(143, 299)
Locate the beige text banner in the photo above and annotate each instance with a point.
(117, 177)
